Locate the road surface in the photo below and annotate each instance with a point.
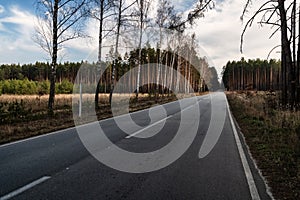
(58, 166)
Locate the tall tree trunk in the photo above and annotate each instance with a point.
(298, 65)
(286, 56)
(99, 53)
(112, 85)
(293, 66)
(140, 46)
(172, 70)
(54, 58)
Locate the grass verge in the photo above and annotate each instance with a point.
(273, 136)
(24, 116)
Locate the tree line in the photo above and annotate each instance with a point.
(260, 75)
(36, 76)
(39, 71)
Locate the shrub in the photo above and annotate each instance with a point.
(6, 87)
(65, 87)
(27, 87)
(43, 87)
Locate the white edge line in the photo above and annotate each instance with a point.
(268, 189)
(249, 176)
(36, 137)
(70, 128)
(24, 188)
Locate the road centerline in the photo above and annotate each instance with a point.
(158, 122)
(151, 125)
(24, 188)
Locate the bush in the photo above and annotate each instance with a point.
(18, 87)
(22, 87)
(65, 87)
(43, 87)
(27, 87)
(6, 87)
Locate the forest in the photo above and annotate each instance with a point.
(34, 78)
(259, 75)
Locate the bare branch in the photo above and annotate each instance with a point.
(70, 15)
(272, 51)
(196, 13)
(245, 9)
(250, 21)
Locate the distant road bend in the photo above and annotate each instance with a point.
(58, 166)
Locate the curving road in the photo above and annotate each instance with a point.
(58, 166)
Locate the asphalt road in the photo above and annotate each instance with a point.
(58, 166)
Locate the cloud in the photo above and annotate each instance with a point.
(16, 30)
(17, 45)
(220, 30)
(2, 9)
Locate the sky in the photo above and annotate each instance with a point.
(218, 34)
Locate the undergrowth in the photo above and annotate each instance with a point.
(273, 136)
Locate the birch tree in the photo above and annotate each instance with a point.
(123, 14)
(142, 9)
(58, 22)
(101, 12)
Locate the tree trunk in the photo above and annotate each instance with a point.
(99, 54)
(54, 58)
(287, 96)
(298, 66)
(140, 47)
(116, 51)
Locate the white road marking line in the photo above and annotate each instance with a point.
(151, 125)
(249, 176)
(35, 137)
(189, 107)
(24, 188)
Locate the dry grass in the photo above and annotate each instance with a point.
(273, 136)
(37, 121)
(38, 103)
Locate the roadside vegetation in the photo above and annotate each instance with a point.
(26, 87)
(23, 116)
(273, 136)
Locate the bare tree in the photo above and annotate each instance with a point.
(122, 14)
(101, 10)
(164, 18)
(58, 22)
(277, 14)
(143, 8)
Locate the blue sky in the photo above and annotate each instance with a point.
(218, 34)
(17, 23)
(23, 3)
